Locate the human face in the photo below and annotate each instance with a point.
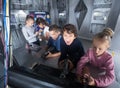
(30, 22)
(54, 34)
(68, 37)
(100, 47)
(41, 25)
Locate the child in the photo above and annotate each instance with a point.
(42, 27)
(54, 41)
(28, 31)
(100, 59)
(71, 47)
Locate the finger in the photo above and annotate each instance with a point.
(49, 52)
(91, 78)
(86, 75)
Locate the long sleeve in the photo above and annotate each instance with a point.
(82, 63)
(108, 78)
(29, 35)
(49, 44)
(63, 50)
(81, 50)
(103, 63)
(74, 50)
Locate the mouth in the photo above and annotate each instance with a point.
(68, 43)
(96, 54)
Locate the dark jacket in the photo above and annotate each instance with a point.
(75, 51)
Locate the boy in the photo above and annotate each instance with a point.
(71, 47)
(28, 31)
(54, 42)
(42, 28)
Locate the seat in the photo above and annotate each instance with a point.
(32, 47)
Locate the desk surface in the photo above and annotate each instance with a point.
(45, 74)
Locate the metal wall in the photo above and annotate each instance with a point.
(115, 44)
(85, 25)
(72, 12)
(113, 17)
(91, 25)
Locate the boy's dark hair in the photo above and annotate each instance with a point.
(55, 28)
(29, 17)
(70, 28)
(41, 20)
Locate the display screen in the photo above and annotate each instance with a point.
(44, 15)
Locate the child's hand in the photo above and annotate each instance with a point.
(40, 31)
(85, 75)
(91, 81)
(84, 79)
(36, 33)
(49, 55)
(61, 64)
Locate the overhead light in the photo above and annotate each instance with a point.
(61, 14)
(21, 12)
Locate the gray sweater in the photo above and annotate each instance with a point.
(29, 35)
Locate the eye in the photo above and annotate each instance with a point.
(100, 49)
(94, 47)
(65, 35)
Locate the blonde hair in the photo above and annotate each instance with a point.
(106, 34)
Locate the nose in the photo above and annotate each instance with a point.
(96, 51)
(67, 39)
